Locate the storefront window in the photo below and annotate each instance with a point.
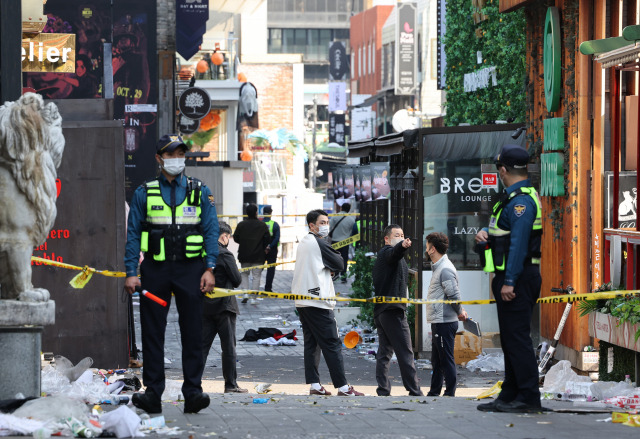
(455, 203)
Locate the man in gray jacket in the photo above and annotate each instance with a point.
(443, 317)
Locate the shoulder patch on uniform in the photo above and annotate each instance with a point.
(519, 209)
(211, 200)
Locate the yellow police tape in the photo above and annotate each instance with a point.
(80, 280)
(336, 246)
(223, 292)
(287, 216)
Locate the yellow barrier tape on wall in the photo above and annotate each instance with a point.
(336, 246)
(81, 280)
(223, 292)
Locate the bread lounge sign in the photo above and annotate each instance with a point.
(45, 52)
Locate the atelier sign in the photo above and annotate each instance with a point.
(49, 53)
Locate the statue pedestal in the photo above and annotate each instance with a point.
(21, 326)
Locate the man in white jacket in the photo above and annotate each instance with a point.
(316, 260)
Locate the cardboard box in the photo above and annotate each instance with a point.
(588, 361)
(467, 347)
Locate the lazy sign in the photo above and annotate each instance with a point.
(489, 180)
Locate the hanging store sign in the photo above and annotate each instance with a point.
(49, 53)
(337, 128)
(194, 103)
(337, 96)
(406, 74)
(338, 61)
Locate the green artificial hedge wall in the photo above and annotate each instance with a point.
(502, 40)
(623, 363)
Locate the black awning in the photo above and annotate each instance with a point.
(410, 138)
(360, 148)
(389, 144)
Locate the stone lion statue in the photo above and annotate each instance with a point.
(31, 146)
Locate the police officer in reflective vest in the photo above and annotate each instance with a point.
(173, 221)
(510, 248)
(272, 248)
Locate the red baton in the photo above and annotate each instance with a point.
(153, 297)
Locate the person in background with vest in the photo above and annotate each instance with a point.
(510, 247)
(390, 278)
(219, 314)
(173, 222)
(272, 248)
(341, 228)
(442, 316)
(252, 237)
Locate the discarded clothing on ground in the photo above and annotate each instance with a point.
(263, 333)
(282, 341)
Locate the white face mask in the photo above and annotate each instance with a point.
(173, 166)
(323, 230)
(395, 241)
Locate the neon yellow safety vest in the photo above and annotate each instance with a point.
(495, 254)
(270, 224)
(358, 227)
(180, 227)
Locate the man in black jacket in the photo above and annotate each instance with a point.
(253, 238)
(219, 315)
(390, 277)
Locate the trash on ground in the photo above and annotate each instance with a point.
(263, 388)
(494, 390)
(66, 367)
(260, 400)
(280, 342)
(626, 419)
(608, 389)
(11, 425)
(493, 362)
(555, 381)
(624, 402)
(172, 391)
(152, 423)
(123, 421)
(424, 364)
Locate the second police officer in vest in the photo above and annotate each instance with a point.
(173, 221)
(510, 247)
(272, 248)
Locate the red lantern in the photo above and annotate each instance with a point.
(202, 66)
(217, 58)
(246, 155)
(242, 77)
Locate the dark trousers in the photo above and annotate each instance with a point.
(224, 325)
(183, 279)
(394, 336)
(443, 337)
(321, 336)
(514, 318)
(272, 256)
(344, 252)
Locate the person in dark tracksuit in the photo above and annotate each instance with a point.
(219, 315)
(272, 248)
(173, 222)
(316, 260)
(390, 278)
(510, 247)
(442, 316)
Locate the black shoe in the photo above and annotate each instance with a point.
(148, 402)
(489, 406)
(518, 407)
(196, 402)
(245, 300)
(433, 394)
